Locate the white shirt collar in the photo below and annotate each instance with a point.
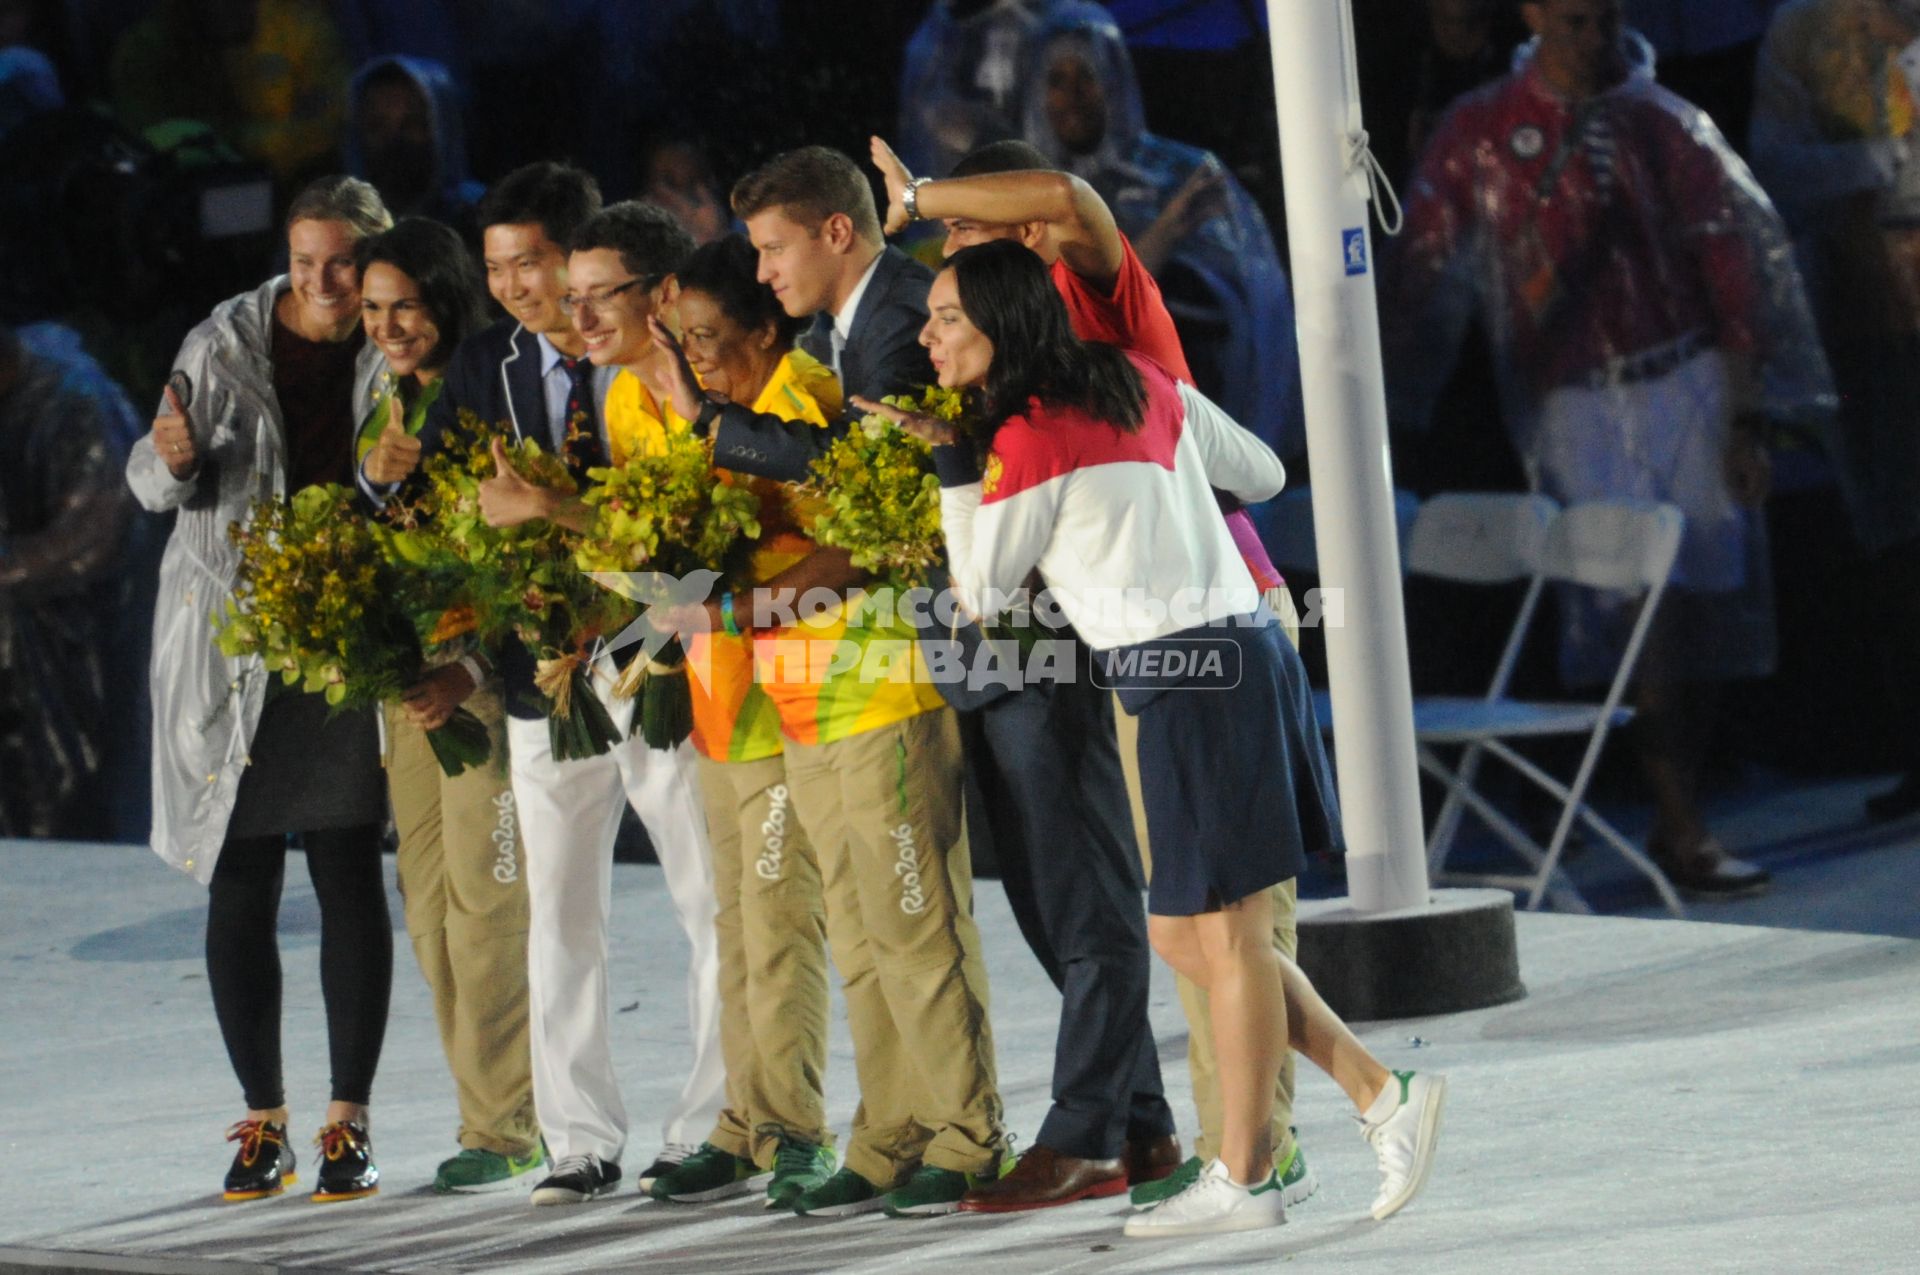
(843, 317)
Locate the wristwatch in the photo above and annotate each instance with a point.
(910, 198)
(709, 413)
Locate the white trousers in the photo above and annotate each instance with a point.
(569, 815)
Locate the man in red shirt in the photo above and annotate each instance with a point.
(1007, 190)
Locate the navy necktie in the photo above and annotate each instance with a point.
(583, 448)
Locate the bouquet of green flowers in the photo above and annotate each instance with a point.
(665, 514)
(320, 603)
(881, 497)
(514, 583)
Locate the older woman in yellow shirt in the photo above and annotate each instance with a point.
(771, 922)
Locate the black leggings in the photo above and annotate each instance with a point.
(356, 957)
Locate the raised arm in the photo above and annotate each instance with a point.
(1081, 224)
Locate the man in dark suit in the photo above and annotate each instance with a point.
(869, 302)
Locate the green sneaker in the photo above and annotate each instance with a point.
(1148, 1194)
(1297, 1183)
(708, 1174)
(797, 1166)
(475, 1170)
(932, 1192)
(842, 1195)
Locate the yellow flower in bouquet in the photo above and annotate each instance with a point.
(668, 511)
(318, 601)
(507, 583)
(503, 578)
(880, 495)
(665, 512)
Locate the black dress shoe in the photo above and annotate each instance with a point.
(347, 1170)
(263, 1165)
(1897, 802)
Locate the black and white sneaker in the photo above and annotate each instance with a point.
(671, 1157)
(577, 1179)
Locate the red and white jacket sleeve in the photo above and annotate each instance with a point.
(994, 541)
(1235, 459)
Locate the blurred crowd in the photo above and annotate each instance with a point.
(1687, 268)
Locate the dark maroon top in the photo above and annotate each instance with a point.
(314, 382)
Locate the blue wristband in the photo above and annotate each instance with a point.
(727, 621)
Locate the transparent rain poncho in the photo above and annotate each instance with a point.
(1223, 280)
(1632, 277)
(960, 81)
(1836, 140)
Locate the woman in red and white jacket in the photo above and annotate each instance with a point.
(1096, 468)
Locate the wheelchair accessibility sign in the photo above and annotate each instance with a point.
(1353, 249)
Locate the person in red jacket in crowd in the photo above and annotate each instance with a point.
(1648, 326)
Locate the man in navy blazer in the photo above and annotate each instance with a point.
(515, 371)
(869, 302)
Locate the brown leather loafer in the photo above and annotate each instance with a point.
(1150, 1159)
(1044, 1178)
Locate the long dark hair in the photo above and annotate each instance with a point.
(1008, 294)
(433, 256)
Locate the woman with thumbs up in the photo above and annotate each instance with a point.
(459, 860)
(262, 403)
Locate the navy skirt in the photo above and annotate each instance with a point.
(1234, 775)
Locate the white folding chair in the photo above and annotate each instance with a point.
(1625, 546)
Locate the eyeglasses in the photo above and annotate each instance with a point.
(587, 305)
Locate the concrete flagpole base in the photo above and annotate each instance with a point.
(1458, 953)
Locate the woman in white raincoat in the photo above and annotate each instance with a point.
(261, 405)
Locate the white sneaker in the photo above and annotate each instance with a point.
(1404, 1139)
(1214, 1203)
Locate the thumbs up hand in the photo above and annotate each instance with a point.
(507, 499)
(397, 453)
(173, 439)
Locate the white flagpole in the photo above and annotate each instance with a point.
(1317, 94)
